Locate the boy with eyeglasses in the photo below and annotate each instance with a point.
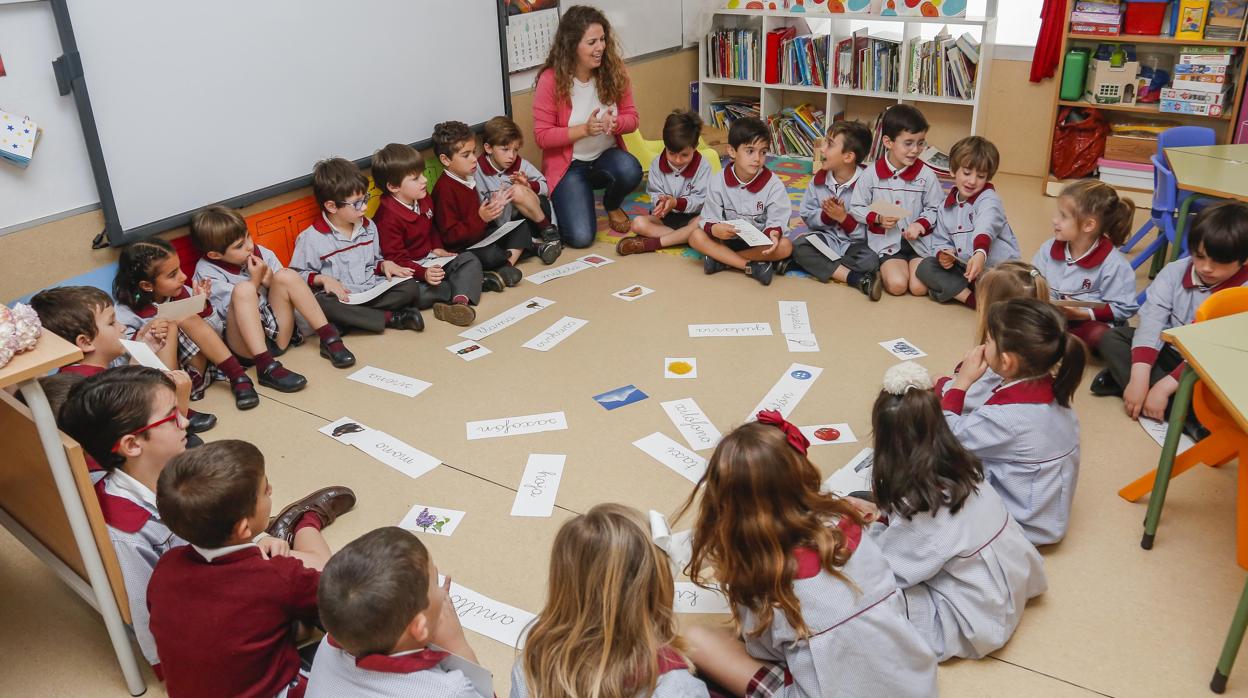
(339, 256)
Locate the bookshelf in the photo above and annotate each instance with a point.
(1223, 125)
(830, 97)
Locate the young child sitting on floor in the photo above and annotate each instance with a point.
(972, 233)
(408, 237)
(816, 607)
(255, 299)
(391, 630)
(964, 564)
(502, 168)
(745, 191)
(608, 628)
(339, 255)
(900, 178)
(825, 209)
(677, 184)
(222, 608)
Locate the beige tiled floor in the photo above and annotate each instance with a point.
(1116, 621)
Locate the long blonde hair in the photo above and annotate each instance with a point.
(760, 501)
(1012, 279)
(611, 77)
(608, 611)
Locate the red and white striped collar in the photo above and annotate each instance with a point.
(753, 186)
(1091, 259)
(690, 170)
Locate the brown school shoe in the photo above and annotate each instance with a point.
(328, 503)
(630, 245)
(619, 222)
(457, 314)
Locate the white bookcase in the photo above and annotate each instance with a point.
(834, 100)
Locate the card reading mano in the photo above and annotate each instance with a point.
(615, 399)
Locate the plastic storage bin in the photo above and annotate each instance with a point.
(1074, 73)
(1144, 17)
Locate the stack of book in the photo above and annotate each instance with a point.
(805, 60)
(1120, 173)
(1099, 17)
(943, 67)
(732, 54)
(1226, 20)
(870, 63)
(726, 111)
(1202, 82)
(794, 130)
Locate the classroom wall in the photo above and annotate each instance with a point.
(1016, 119)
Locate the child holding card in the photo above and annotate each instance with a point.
(745, 193)
(812, 593)
(964, 564)
(677, 185)
(502, 168)
(613, 586)
(900, 181)
(1082, 262)
(972, 233)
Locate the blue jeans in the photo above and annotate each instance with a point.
(616, 171)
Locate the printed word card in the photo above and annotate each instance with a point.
(389, 380)
(691, 598)
(507, 318)
(788, 391)
(662, 448)
(493, 619)
(737, 329)
(515, 426)
(551, 336)
(426, 519)
(692, 423)
(538, 486)
(558, 272)
(902, 349)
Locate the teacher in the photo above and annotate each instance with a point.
(583, 102)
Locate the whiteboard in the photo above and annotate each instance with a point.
(208, 101)
(643, 26)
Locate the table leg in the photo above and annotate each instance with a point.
(1178, 414)
(1230, 648)
(96, 576)
(1180, 225)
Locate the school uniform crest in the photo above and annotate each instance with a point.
(1086, 285)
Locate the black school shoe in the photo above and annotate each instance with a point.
(492, 281)
(245, 396)
(199, 422)
(281, 379)
(337, 353)
(551, 246)
(1104, 385)
(872, 285)
(511, 275)
(761, 271)
(406, 319)
(710, 265)
(193, 441)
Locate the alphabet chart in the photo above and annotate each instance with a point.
(529, 37)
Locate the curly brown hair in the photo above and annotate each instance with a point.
(611, 78)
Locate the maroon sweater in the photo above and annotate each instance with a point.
(456, 212)
(223, 628)
(406, 236)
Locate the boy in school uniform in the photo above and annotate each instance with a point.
(1139, 366)
(339, 255)
(972, 234)
(902, 179)
(825, 209)
(677, 184)
(462, 213)
(391, 629)
(86, 317)
(746, 190)
(255, 299)
(222, 608)
(409, 238)
(501, 168)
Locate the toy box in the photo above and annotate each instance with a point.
(1109, 85)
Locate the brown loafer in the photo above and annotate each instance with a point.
(328, 503)
(630, 245)
(619, 221)
(457, 314)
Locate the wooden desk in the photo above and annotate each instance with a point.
(24, 371)
(1215, 170)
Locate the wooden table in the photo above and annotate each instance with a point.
(1220, 171)
(24, 371)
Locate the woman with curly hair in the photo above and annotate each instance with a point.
(582, 104)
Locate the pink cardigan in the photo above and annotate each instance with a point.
(550, 126)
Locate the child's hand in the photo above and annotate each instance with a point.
(775, 240)
(1158, 397)
(914, 231)
(663, 206)
(945, 258)
(724, 231)
(434, 275)
(835, 208)
(391, 270)
(450, 633)
(887, 222)
(154, 333)
(439, 252)
(973, 367)
(271, 547)
(334, 287)
(258, 270)
(520, 178)
(1078, 314)
(975, 266)
(203, 286)
(1136, 392)
(522, 192)
(494, 206)
(869, 511)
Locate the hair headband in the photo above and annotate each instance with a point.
(796, 438)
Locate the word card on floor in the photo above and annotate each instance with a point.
(493, 619)
(662, 448)
(514, 426)
(538, 485)
(692, 423)
(788, 391)
(507, 318)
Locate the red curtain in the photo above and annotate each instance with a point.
(1049, 42)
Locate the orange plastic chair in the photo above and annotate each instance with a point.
(1226, 441)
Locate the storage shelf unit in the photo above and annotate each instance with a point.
(775, 96)
(1223, 125)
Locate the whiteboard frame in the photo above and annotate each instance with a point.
(70, 80)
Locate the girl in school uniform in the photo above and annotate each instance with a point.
(148, 274)
(815, 606)
(608, 628)
(964, 564)
(1025, 434)
(1082, 262)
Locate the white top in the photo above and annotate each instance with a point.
(584, 102)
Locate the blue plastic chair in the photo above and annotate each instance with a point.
(1167, 197)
